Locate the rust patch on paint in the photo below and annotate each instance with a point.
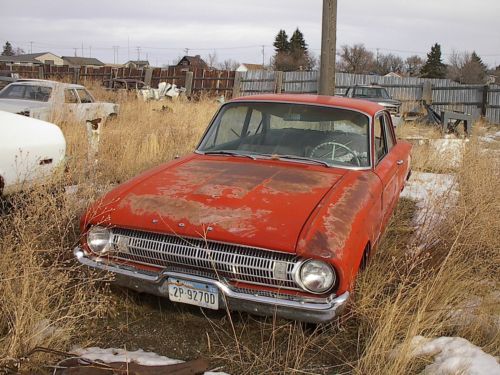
(341, 215)
(241, 221)
(296, 181)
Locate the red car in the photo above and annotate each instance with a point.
(275, 212)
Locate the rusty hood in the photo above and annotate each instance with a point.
(260, 203)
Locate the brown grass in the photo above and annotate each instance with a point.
(47, 300)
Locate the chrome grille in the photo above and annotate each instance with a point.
(213, 259)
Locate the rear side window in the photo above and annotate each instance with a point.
(379, 138)
(84, 95)
(26, 92)
(70, 96)
(388, 133)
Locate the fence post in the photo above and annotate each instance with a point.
(484, 102)
(76, 75)
(189, 83)
(279, 82)
(427, 92)
(237, 84)
(148, 75)
(41, 74)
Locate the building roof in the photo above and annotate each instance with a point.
(82, 61)
(20, 59)
(194, 61)
(138, 62)
(253, 66)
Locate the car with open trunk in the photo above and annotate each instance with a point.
(275, 212)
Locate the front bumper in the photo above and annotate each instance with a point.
(312, 310)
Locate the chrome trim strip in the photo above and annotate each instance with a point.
(324, 310)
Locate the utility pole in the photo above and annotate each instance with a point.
(138, 53)
(76, 49)
(263, 55)
(115, 54)
(90, 51)
(31, 47)
(328, 48)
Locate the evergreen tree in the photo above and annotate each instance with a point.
(8, 50)
(434, 67)
(476, 59)
(281, 43)
(297, 42)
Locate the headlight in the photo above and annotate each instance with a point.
(98, 239)
(317, 276)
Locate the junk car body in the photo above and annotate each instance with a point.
(275, 212)
(42, 99)
(30, 151)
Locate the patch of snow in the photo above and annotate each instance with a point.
(450, 150)
(434, 194)
(490, 138)
(121, 355)
(454, 355)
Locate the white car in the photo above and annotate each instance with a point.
(44, 99)
(30, 151)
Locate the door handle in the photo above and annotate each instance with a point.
(400, 162)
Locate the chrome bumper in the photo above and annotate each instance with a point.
(307, 310)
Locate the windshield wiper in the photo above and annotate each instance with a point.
(294, 157)
(231, 153)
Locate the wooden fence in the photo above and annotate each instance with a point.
(196, 81)
(478, 100)
(443, 94)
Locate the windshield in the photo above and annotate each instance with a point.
(26, 92)
(371, 92)
(334, 136)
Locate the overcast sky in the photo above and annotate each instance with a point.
(237, 29)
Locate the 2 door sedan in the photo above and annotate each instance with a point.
(274, 213)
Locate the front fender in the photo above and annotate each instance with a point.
(348, 218)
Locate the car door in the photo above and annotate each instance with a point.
(71, 102)
(386, 162)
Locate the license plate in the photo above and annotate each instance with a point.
(193, 293)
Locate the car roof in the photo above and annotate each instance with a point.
(48, 83)
(370, 108)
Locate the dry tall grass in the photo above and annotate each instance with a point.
(47, 300)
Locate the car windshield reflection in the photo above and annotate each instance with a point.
(294, 132)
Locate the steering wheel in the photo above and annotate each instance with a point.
(334, 147)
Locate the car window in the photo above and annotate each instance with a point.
(27, 92)
(70, 96)
(85, 96)
(389, 135)
(379, 138)
(335, 136)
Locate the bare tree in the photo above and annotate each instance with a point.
(212, 59)
(413, 64)
(356, 59)
(229, 64)
(465, 67)
(388, 63)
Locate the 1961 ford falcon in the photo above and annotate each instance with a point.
(275, 212)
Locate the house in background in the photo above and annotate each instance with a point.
(192, 62)
(137, 64)
(33, 59)
(249, 67)
(76, 62)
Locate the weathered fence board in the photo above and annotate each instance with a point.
(446, 94)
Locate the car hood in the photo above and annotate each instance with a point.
(254, 203)
(384, 102)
